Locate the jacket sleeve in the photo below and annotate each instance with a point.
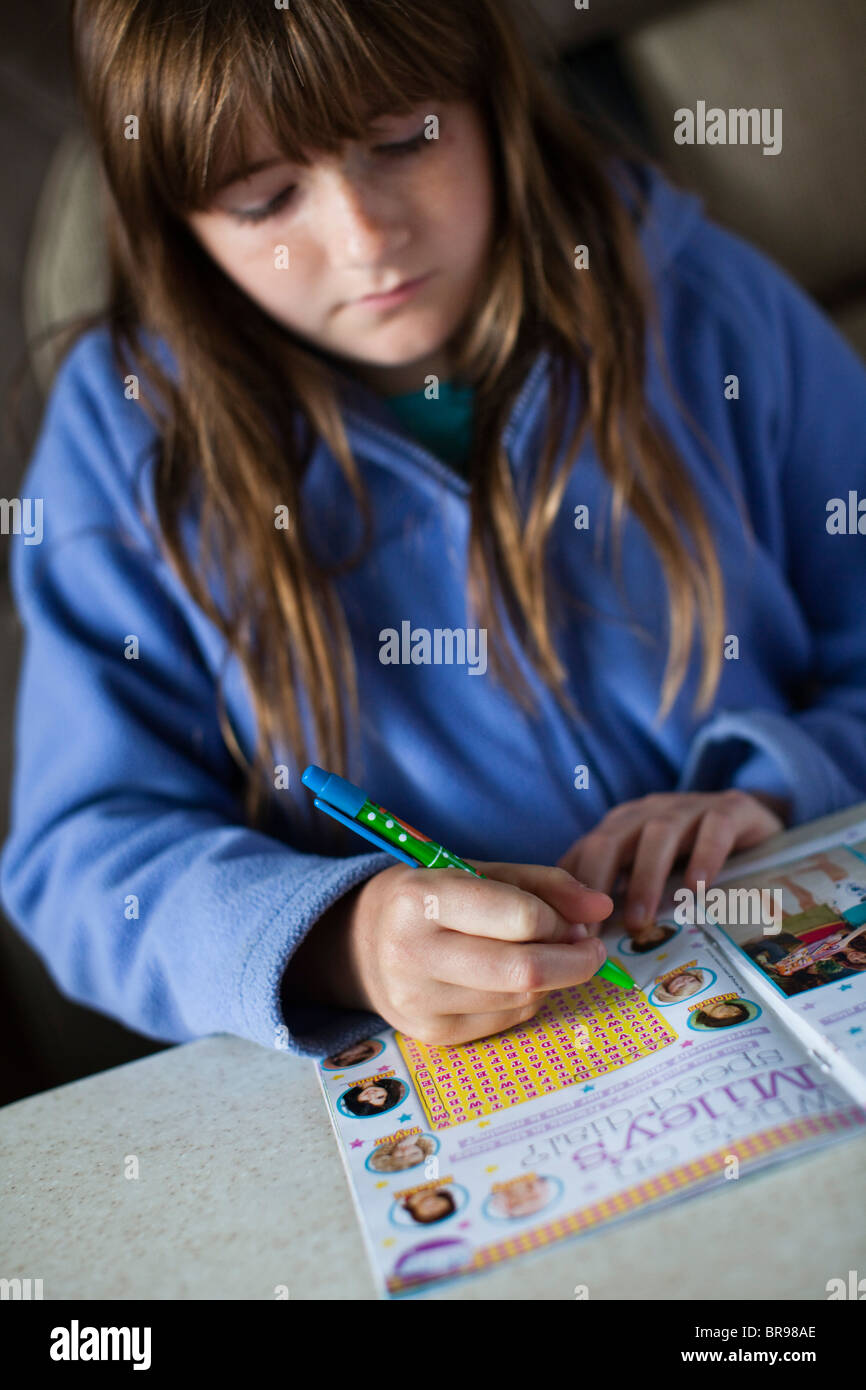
(815, 755)
(128, 866)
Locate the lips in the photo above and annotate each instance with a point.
(395, 293)
(401, 285)
(381, 294)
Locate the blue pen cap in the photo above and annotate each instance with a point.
(335, 790)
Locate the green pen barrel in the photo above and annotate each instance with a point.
(405, 837)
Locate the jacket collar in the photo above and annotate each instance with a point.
(375, 434)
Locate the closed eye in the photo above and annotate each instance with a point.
(276, 204)
(268, 210)
(411, 146)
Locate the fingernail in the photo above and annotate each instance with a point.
(601, 953)
(635, 915)
(578, 931)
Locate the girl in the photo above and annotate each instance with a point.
(394, 346)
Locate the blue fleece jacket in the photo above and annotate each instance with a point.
(128, 866)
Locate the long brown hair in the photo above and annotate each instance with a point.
(250, 399)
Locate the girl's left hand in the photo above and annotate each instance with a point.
(647, 835)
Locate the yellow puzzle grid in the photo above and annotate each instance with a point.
(579, 1033)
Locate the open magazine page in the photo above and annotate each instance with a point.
(607, 1103)
(795, 928)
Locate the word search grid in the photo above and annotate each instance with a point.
(579, 1033)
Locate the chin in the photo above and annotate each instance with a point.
(403, 355)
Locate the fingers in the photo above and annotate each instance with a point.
(647, 836)
(596, 858)
(571, 898)
(574, 900)
(464, 1014)
(457, 999)
(492, 951)
(515, 902)
(452, 1029)
(736, 821)
(658, 846)
(515, 967)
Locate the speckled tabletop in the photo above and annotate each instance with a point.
(240, 1189)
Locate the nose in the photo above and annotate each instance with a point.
(365, 227)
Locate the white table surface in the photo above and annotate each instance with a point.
(241, 1189)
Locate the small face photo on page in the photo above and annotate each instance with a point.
(354, 1055)
(373, 1097)
(649, 938)
(685, 983)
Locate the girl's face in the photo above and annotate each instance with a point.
(722, 1010)
(374, 1095)
(524, 1198)
(652, 932)
(683, 984)
(429, 1206)
(407, 1150)
(396, 211)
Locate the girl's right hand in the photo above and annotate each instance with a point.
(447, 957)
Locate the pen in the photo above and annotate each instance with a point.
(353, 808)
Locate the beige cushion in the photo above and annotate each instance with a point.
(807, 205)
(65, 272)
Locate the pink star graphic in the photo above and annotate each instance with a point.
(686, 1044)
(357, 1143)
